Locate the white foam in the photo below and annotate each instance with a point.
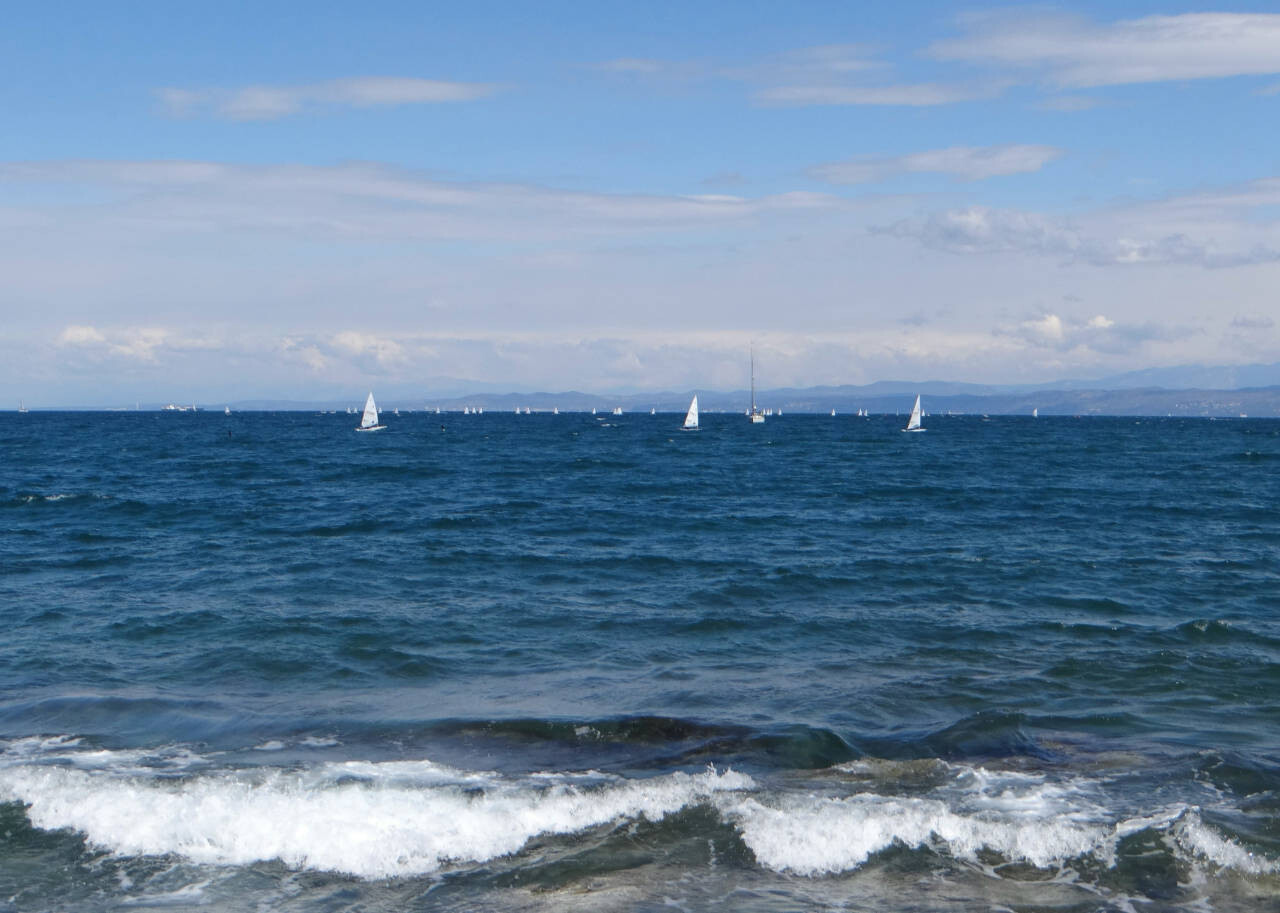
(365, 819)
(313, 741)
(816, 835)
(1193, 835)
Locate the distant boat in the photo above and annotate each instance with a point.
(617, 410)
(22, 409)
(913, 423)
(833, 413)
(555, 410)
(1035, 413)
(691, 417)
(757, 417)
(653, 411)
(593, 410)
(226, 410)
(369, 421)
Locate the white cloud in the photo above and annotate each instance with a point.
(273, 102)
(968, 163)
(1216, 230)
(1100, 322)
(133, 343)
(1073, 52)
(370, 201)
(1048, 328)
(81, 335)
(918, 95)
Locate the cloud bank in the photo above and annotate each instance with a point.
(274, 102)
(1074, 53)
(966, 163)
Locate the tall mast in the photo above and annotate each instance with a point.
(753, 380)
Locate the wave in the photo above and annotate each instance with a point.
(388, 819)
(368, 819)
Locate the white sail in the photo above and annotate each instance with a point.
(691, 417)
(1035, 413)
(369, 420)
(913, 423)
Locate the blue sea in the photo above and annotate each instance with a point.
(576, 662)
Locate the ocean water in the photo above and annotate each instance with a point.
(262, 662)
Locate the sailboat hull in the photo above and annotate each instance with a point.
(913, 430)
(373, 428)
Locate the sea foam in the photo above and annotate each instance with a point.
(364, 819)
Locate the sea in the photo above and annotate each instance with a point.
(261, 662)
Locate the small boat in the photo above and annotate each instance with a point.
(833, 413)
(913, 423)
(757, 417)
(653, 411)
(369, 421)
(226, 410)
(1035, 413)
(691, 417)
(22, 408)
(617, 410)
(555, 410)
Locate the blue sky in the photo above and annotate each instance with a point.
(302, 200)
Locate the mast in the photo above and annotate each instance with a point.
(753, 381)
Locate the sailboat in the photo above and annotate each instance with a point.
(1035, 412)
(691, 417)
(369, 421)
(226, 410)
(913, 423)
(22, 408)
(757, 417)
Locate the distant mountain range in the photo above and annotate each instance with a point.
(1191, 390)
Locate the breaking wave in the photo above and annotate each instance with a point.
(388, 819)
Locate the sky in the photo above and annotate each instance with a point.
(305, 201)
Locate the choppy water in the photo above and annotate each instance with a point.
(571, 663)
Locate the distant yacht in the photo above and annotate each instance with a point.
(617, 410)
(833, 413)
(913, 423)
(653, 411)
(757, 417)
(1035, 412)
(691, 417)
(22, 409)
(369, 421)
(226, 410)
(555, 410)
